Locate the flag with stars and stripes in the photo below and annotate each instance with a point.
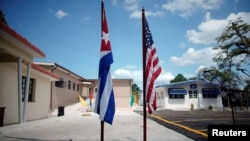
(152, 69)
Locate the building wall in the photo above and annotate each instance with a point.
(65, 96)
(9, 94)
(122, 91)
(40, 108)
(206, 102)
(160, 95)
(178, 103)
(185, 104)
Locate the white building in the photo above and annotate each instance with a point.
(183, 95)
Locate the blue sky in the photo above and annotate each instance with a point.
(69, 32)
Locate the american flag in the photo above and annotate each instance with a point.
(105, 101)
(152, 69)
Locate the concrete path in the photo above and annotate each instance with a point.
(79, 125)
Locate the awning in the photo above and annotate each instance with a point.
(210, 91)
(177, 91)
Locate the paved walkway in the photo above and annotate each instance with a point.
(79, 125)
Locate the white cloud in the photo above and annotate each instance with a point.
(192, 56)
(131, 5)
(207, 33)
(131, 1)
(61, 14)
(154, 14)
(87, 18)
(186, 8)
(114, 2)
(130, 72)
(137, 14)
(130, 67)
(20, 24)
(182, 45)
(164, 78)
(210, 29)
(244, 15)
(202, 68)
(135, 10)
(236, 1)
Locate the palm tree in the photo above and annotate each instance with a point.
(135, 91)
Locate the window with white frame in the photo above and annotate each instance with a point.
(193, 94)
(162, 95)
(158, 95)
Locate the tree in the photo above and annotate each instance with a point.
(247, 88)
(233, 45)
(233, 51)
(178, 78)
(135, 89)
(2, 17)
(221, 77)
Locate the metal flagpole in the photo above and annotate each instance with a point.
(102, 122)
(144, 81)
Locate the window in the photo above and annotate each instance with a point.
(60, 83)
(209, 96)
(193, 94)
(158, 95)
(162, 95)
(176, 96)
(31, 93)
(69, 84)
(210, 92)
(176, 93)
(90, 90)
(74, 86)
(193, 86)
(78, 88)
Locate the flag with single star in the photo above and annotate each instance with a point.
(105, 100)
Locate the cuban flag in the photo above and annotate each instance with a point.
(105, 101)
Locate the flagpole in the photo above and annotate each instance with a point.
(144, 81)
(102, 130)
(102, 122)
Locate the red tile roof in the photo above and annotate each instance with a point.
(14, 34)
(42, 70)
(17, 36)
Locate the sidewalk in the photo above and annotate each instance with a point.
(79, 125)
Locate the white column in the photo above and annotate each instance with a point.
(19, 79)
(26, 92)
